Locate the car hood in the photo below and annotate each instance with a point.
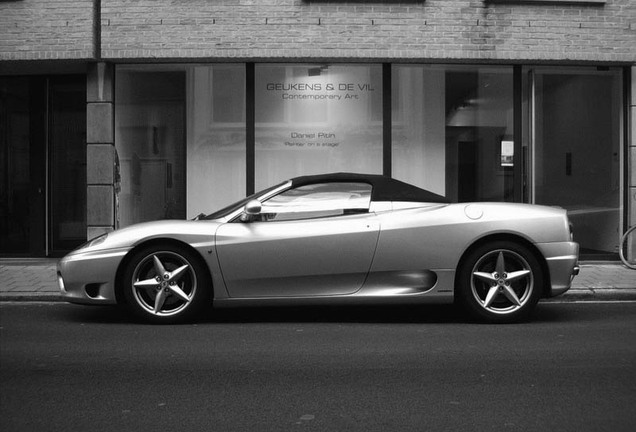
(188, 231)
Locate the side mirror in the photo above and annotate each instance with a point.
(252, 208)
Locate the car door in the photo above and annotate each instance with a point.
(314, 240)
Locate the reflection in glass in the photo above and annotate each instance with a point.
(42, 164)
(15, 173)
(318, 200)
(180, 137)
(313, 119)
(150, 141)
(67, 150)
(458, 114)
(576, 130)
(215, 136)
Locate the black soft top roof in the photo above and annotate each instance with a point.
(384, 188)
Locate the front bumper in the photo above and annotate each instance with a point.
(89, 277)
(563, 264)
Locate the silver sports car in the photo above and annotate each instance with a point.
(326, 239)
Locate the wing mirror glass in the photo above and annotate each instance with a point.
(252, 208)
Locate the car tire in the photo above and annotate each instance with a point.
(500, 282)
(166, 284)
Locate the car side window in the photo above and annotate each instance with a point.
(317, 201)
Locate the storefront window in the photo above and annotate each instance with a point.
(180, 137)
(575, 135)
(150, 141)
(452, 130)
(314, 119)
(215, 136)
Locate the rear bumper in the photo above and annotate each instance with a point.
(563, 264)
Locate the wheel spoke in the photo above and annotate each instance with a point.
(175, 275)
(501, 266)
(159, 268)
(175, 289)
(159, 301)
(147, 283)
(490, 297)
(486, 277)
(517, 275)
(511, 295)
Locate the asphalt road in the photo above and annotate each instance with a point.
(75, 368)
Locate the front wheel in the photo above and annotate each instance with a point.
(500, 282)
(166, 284)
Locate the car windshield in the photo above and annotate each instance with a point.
(225, 211)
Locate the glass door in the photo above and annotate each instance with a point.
(22, 166)
(42, 165)
(575, 122)
(67, 164)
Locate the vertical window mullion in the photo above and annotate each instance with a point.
(518, 173)
(386, 120)
(250, 119)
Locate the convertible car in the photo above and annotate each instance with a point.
(331, 239)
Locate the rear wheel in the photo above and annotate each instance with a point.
(500, 282)
(166, 284)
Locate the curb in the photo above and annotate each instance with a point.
(34, 297)
(596, 294)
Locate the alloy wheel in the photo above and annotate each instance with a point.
(502, 281)
(164, 283)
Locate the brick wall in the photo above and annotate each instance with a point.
(328, 29)
(46, 29)
(332, 29)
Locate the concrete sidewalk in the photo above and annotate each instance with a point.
(36, 280)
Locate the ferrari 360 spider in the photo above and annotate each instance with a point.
(331, 239)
